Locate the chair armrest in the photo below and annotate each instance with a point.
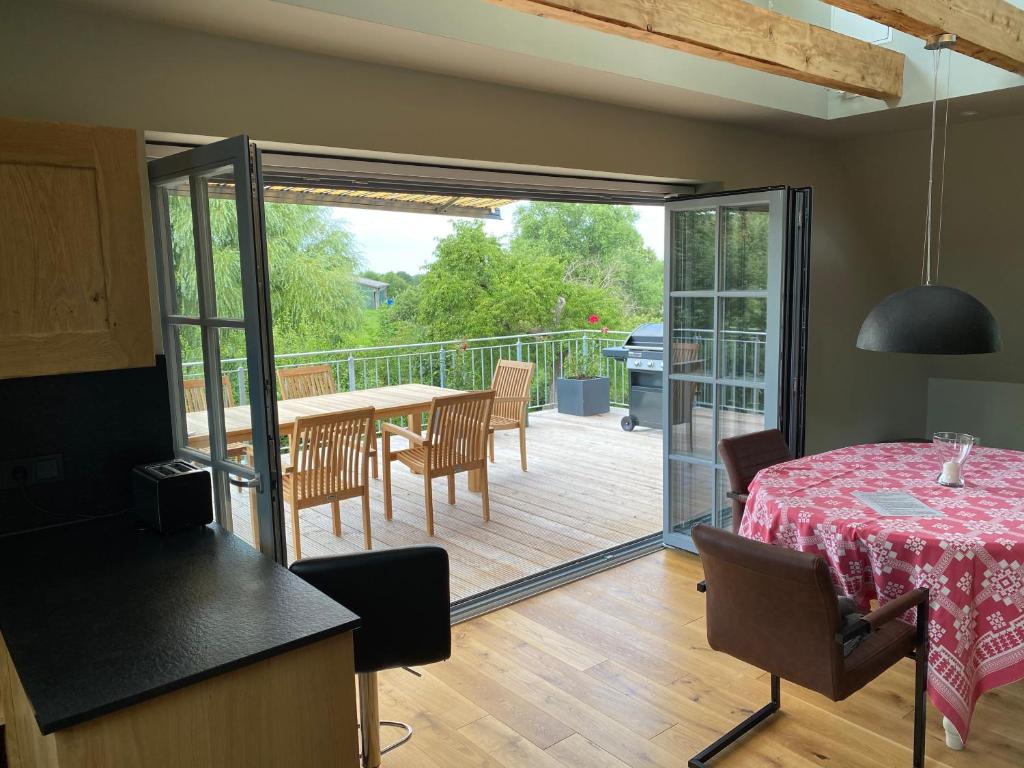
(895, 608)
(740, 497)
(408, 434)
(876, 619)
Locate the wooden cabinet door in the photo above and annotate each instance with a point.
(74, 288)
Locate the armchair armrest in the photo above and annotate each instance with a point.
(740, 497)
(895, 608)
(876, 619)
(408, 434)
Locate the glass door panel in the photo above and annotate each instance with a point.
(208, 222)
(724, 321)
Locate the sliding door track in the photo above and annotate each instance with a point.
(528, 586)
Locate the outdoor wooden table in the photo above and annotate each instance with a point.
(409, 400)
(970, 554)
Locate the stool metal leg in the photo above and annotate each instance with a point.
(370, 722)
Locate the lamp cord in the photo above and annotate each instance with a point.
(942, 181)
(931, 173)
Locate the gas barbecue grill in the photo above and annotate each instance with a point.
(643, 353)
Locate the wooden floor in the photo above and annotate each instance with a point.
(614, 671)
(590, 486)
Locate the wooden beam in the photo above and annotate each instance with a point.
(990, 30)
(739, 33)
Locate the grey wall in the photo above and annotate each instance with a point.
(992, 411)
(982, 252)
(66, 63)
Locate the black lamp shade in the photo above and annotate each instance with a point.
(930, 320)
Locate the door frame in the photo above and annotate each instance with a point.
(789, 236)
(263, 478)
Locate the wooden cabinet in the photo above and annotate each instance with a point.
(294, 709)
(74, 287)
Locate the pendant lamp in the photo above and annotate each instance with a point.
(931, 319)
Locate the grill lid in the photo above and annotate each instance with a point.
(648, 335)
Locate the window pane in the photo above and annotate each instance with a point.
(692, 335)
(224, 247)
(745, 251)
(740, 410)
(235, 387)
(692, 489)
(183, 249)
(693, 257)
(690, 414)
(193, 386)
(742, 338)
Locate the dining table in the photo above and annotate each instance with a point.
(966, 548)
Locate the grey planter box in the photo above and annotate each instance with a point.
(582, 397)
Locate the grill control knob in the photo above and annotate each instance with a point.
(650, 363)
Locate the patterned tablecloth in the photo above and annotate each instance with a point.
(971, 556)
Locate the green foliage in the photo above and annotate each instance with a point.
(398, 282)
(597, 246)
(315, 301)
(584, 363)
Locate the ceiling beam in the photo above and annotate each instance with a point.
(990, 30)
(740, 33)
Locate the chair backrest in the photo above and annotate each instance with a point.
(512, 379)
(458, 429)
(746, 455)
(772, 607)
(330, 453)
(402, 597)
(684, 353)
(305, 381)
(195, 394)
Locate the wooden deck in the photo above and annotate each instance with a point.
(590, 486)
(614, 671)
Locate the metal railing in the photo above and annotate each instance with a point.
(469, 364)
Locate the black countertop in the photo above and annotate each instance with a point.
(102, 615)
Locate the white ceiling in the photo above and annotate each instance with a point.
(480, 41)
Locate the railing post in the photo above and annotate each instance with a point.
(351, 373)
(519, 350)
(443, 365)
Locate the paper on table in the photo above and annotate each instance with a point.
(896, 504)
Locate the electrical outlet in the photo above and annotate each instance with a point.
(36, 469)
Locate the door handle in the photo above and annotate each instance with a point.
(247, 482)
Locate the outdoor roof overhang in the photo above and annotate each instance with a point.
(444, 205)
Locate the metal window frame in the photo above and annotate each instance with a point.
(197, 165)
(777, 201)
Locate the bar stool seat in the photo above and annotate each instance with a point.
(403, 599)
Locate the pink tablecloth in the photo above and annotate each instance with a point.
(971, 557)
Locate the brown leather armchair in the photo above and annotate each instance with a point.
(777, 610)
(746, 455)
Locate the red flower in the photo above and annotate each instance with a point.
(593, 319)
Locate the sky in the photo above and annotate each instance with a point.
(397, 240)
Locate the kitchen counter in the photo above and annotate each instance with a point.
(104, 615)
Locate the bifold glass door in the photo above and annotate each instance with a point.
(210, 244)
(725, 289)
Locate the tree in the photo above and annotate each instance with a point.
(313, 260)
(398, 281)
(597, 246)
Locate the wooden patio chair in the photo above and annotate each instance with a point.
(310, 381)
(194, 392)
(328, 461)
(456, 441)
(511, 385)
(305, 381)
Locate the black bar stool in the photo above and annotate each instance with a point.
(403, 600)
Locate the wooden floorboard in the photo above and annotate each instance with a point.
(614, 671)
(590, 486)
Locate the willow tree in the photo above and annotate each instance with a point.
(315, 300)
